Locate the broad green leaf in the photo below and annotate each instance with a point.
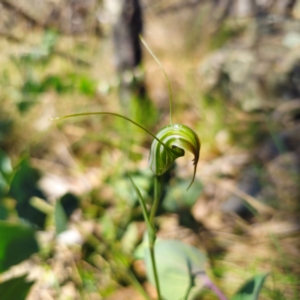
(194, 293)
(17, 243)
(250, 290)
(15, 288)
(61, 220)
(23, 187)
(177, 264)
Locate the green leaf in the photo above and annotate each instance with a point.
(61, 220)
(23, 187)
(150, 229)
(250, 290)
(17, 243)
(15, 289)
(177, 265)
(69, 203)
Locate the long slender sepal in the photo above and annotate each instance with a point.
(165, 73)
(116, 115)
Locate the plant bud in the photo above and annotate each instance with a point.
(175, 140)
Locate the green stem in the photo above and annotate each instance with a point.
(152, 255)
(150, 226)
(157, 193)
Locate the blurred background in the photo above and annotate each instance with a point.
(70, 219)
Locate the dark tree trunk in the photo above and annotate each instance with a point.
(128, 51)
(128, 55)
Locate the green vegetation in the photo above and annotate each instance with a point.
(82, 216)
